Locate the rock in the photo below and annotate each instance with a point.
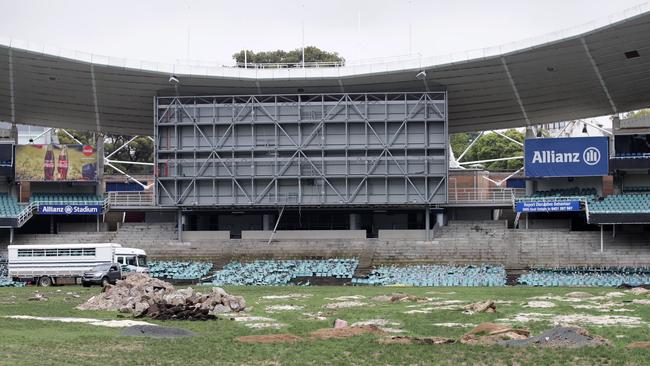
(220, 309)
(491, 333)
(140, 309)
(482, 307)
(38, 297)
(340, 323)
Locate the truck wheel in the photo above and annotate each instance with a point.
(105, 282)
(45, 281)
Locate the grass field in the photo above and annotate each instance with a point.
(34, 342)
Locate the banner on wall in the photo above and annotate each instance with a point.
(56, 163)
(548, 206)
(47, 209)
(566, 157)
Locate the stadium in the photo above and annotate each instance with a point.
(345, 174)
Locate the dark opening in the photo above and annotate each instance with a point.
(632, 54)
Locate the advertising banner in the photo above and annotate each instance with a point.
(62, 163)
(548, 206)
(566, 157)
(47, 209)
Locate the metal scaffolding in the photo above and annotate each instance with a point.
(302, 150)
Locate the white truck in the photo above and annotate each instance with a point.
(57, 264)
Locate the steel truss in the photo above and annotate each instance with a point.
(324, 149)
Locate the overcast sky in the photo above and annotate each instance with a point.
(357, 29)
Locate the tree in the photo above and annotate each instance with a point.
(639, 113)
(312, 54)
(491, 146)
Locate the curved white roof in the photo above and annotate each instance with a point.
(586, 73)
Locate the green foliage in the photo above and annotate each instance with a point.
(639, 113)
(490, 146)
(86, 138)
(312, 54)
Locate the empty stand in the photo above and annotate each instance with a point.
(67, 198)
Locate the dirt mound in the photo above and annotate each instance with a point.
(327, 333)
(415, 340)
(270, 338)
(141, 295)
(578, 295)
(573, 337)
(642, 345)
(491, 333)
(154, 331)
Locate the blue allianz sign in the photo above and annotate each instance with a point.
(566, 157)
(547, 206)
(45, 209)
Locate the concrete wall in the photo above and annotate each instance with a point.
(205, 235)
(304, 234)
(402, 234)
(83, 227)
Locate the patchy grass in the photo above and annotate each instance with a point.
(27, 342)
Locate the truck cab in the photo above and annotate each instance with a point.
(131, 260)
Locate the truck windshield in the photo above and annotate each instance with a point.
(142, 260)
(101, 267)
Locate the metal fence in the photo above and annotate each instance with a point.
(484, 195)
(131, 199)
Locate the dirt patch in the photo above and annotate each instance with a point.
(398, 296)
(287, 297)
(491, 333)
(264, 325)
(278, 308)
(154, 331)
(641, 302)
(415, 340)
(454, 325)
(641, 345)
(90, 321)
(572, 337)
(250, 319)
(327, 333)
(539, 304)
(578, 295)
(576, 319)
(639, 291)
(345, 305)
(315, 316)
(269, 338)
(346, 298)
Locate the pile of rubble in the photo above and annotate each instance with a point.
(141, 295)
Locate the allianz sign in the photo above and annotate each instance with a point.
(44, 209)
(566, 157)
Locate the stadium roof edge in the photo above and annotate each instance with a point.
(598, 72)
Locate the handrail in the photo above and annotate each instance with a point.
(131, 198)
(484, 195)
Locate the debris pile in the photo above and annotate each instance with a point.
(435, 275)
(490, 333)
(5, 281)
(595, 277)
(560, 337)
(481, 307)
(141, 295)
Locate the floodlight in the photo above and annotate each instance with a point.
(174, 80)
(421, 75)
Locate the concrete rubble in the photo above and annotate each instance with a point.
(481, 307)
(141, 295)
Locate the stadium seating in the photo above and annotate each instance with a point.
(9, 206)
(632, 156)
(66, 198)
(592, 277)
(636, 189)
(179, 270)
(565, 194)
(281, 272)
(622, 203)
(435, 275)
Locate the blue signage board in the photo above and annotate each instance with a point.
(566, 157)
(547, 206)
(46, 209)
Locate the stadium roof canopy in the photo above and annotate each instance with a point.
(590, 73)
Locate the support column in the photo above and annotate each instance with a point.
(179, 216)
(101, 188)
(97, 223)
(495, 214)
(267, 222)
(440, 219)
(427, 223)
(51, 224)
(355, 221)
(11, 235)
(602, 245)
